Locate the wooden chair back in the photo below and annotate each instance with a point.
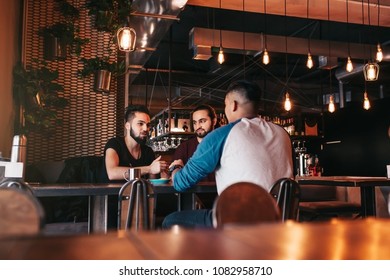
(20, 212)
(244, 203)
(287, 193)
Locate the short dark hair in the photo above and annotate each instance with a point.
(248, 90)
(210, 110)
(132, 109)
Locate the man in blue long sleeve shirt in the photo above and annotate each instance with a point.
(248, 149)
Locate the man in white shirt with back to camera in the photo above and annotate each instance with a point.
(248, 149)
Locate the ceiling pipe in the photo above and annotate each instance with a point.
(344, 76)
(168, 17)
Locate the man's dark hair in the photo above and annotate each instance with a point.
(248, 90)
(210, 111)
(132, 109)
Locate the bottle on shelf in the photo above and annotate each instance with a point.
(185, 126)
(166, 126)
(160, 129)
(152, 132)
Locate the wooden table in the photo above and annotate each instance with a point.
(366, 184)
(98, 197)
(186, 200)
(364, 239)
(97, 202)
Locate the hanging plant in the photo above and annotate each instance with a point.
(66, 35)
(35, 89)
(70, 12)
(62, 37)
(109, 15)
(103, 69)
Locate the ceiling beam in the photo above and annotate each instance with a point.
(252, 43)
(318, 9)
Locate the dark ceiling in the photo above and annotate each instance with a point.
(170, 67)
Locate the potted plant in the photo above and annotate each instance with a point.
(103, 69)
(102, 11)
(109, 15)
(62, 38)
(37, 92)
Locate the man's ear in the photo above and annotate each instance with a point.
(235, 105)
(215, 121)
(127, 126)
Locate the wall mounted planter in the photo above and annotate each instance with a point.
(102, 81)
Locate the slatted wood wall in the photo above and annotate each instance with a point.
(91, 118)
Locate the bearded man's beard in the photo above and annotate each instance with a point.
(139, 140)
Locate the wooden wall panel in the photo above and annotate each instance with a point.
(90, 119)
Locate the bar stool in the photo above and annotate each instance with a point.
(134, 195)
(287, 193)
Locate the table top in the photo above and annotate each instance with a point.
(344, 180)
(365, 239)
(81, 189)
(75, 189)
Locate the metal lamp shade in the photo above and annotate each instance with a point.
(371, 71)
(126, 37)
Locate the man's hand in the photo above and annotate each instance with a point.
(176, 162)
(158, 166)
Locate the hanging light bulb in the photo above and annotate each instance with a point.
(287, 102)
(349, 67)
(126, 37)
(379, 53)
(366, 102)
(309, 62)
(265, 57)
(371, 71)
(221, 56)
(331, 106)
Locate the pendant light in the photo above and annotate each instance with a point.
(221, 55)
(371, 69)
(266, 59)
(366, 101)
(331, 105)
(126, 38)
(309, 62)
(349, 66)
(379, 53)
(287, 101)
